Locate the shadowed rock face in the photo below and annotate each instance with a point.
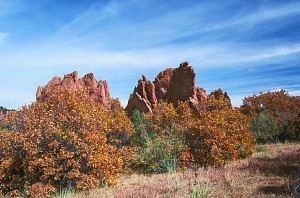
(139, 103)
(182, 84)
(162, 83)
(220, 95)
(171, 85)
(98, 90)
(146, 90)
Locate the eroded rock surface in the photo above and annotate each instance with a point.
(220, 95)
(182, 84)
(171, 85)
(98, 90)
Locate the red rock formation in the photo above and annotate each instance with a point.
(137, 102)
(220, 95)
(146, 90)
(182, 84)
(162, 83)
(171, 85)
(201, 94)
(98, 90)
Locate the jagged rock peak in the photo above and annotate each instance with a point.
(144, 78)
(171, 85)
(182, 84)
(184, 64)
(98, 90)
(73, 76)
(220, 95)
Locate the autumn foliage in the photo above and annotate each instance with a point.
(67, 141)
(212, 133)
(219, 133)
(70, 141)
(284, 108)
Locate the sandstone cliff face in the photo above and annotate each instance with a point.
(171, 85)
(182, 84)
(139, 103)
(146, 90)
(98, 90)
(162, 83)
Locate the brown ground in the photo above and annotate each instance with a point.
(272, 171)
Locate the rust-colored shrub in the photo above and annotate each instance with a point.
(164, 119)
(218, 136)
(67, 141)
(284, 107)
(218, 133)
(210, 135)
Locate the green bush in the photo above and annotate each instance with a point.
(155, 153)
(264, 127)
(142, 129)
(158, 155)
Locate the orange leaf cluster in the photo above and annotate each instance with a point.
(66, 141)
(282, 106)
(213, 132)
(218, 136)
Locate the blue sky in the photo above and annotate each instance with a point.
(243, 47)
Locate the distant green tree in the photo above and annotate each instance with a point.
(264, 127)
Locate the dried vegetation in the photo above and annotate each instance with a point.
(270, 172)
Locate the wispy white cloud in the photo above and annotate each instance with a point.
(110, 27)
(270, 13)
(95, 18)
(100, 45)
(121, 34)
(240, 20)
(206, 56)
(129, 43)
(257, 54)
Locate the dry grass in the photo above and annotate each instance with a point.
(267, 173)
